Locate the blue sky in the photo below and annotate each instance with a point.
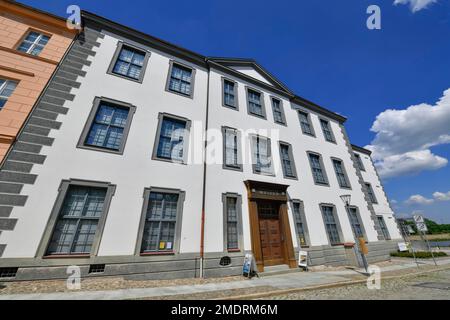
(323, 51)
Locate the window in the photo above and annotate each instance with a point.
(317, 169)
(305, 124)
(383, 228)
(328, 134)
(78, 220)
(370, 193)
(7, 87)
(359, 162)
(340, 173)
(129, 62)
(278, 114)
(255, 103)
(171, 139)
(161, 215)
(181, 79)
(107, 126)
(300, 222)
(355, 222)
(262, 157)
(287, 160)
(229, 94)
(331, 225)
(232, 221)
(33, 43)
(231, 149)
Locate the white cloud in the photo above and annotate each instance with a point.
(418, 199)
(416, 5)
(441, 196)
(404, 138)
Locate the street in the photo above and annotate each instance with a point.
(406, 288)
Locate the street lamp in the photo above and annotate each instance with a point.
(346, 199)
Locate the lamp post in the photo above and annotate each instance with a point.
(346, 198)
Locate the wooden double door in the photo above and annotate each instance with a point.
(270, 233)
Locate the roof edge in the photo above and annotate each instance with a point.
(361, 149)
(152, 40)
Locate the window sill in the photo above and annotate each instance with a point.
(159, 253)
(337, 244)
(168, 160)
(23, 54)
(66, 256)
(233, 250)
(126, 77)
(180, 93)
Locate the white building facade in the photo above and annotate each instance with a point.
(112, 173)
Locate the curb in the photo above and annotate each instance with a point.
(323, 286)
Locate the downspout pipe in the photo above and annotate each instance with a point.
(202, 230)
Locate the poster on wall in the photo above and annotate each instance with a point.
(303, 259)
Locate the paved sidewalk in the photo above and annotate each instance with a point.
(275, 282)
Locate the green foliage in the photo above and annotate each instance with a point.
(419, 254)
(433, 227)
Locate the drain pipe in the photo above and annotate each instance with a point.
(202, 232)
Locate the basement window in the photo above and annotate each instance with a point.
(8, 272)
(96, 268)
(225, 261)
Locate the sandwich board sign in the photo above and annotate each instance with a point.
(303, 259)
(420, 223)
(249, 267)
(402, 247)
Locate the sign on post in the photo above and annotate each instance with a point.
(420, 223)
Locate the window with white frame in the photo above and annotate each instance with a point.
(229, 94)
(129, 62)
(331, 224)
(370, 193)
(300, 223)
(341, 175)
(359, 162)
(355, 222)
(278, 114)
(327, 130)
(170, 139)
(384, 229)
(317, 169)
(180, 79)
(7, 87)
(255, 104)
(232, 223)
(107, 126)
(305, 124)
(287, 160)
(33, 43)
(262, 156)
(231, 148)
(160, 222)
(78, 220)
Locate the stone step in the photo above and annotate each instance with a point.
(277, 270)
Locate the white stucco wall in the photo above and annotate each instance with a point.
(221, 181)
(381, 208)
(131, 172)
(135, 170)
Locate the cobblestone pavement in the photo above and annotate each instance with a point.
(106, 283)
(400, 288)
